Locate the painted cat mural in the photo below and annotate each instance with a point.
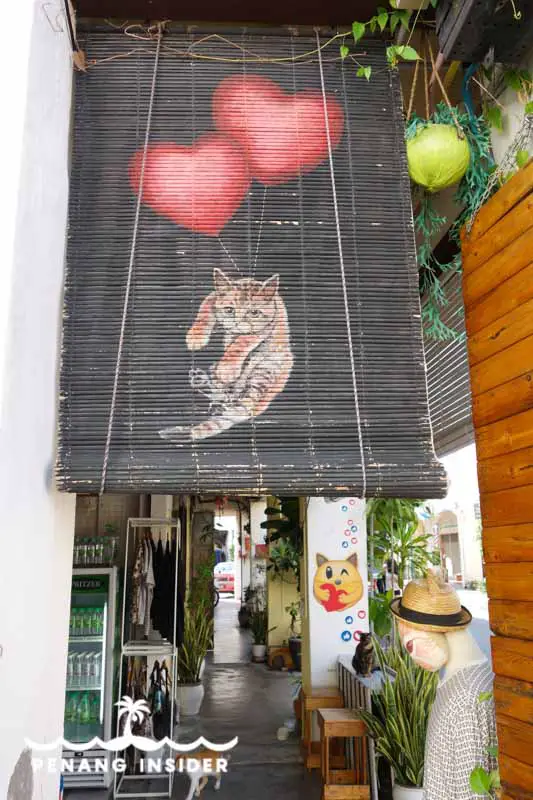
(257, 360)
(337, 584)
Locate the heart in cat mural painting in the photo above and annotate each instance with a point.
(198, 186)
(283, 135)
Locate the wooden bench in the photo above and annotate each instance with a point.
(343, 784)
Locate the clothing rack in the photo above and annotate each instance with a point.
(149, 648)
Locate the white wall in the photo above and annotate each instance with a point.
(335, 530)
(37, 522)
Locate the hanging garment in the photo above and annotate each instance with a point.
(460, 732)
(138, 570)
(143, 585)
(157, 600)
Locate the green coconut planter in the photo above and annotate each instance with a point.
(437, 157)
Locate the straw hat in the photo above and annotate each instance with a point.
(431, 605)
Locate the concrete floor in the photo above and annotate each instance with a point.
(249, 701)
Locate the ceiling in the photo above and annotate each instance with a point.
(278, 12)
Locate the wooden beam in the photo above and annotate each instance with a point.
(512, 619)
(502, 234)
(515, 776)
(512, 658)
(498, 268)
(503, 401)
(508, 543)
(505, 436)
(514, 739)
(514, 698)
(506, 472)
(502, 367)
(501, 334)
(509, 295)
(508, 507)
(510, 581)
(503, 201)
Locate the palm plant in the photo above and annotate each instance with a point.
(197, 636)
(399, 719)
(396, 536)
(259, 625)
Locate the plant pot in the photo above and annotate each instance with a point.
(259, 652)
(189, 697)
(295, 649)
(244, 617)
(407, 792)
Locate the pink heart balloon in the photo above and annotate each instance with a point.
(283, 135)
(198, 186)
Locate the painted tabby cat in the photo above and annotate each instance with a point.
(257, 358)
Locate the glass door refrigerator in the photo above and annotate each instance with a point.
(90, 676)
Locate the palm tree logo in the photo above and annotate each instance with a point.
(136, 711)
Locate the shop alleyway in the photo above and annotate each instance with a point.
(232, 645)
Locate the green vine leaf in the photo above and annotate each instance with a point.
(358, 31)
(483, 697)
(480, 782)
(405, 16)
(406, 52)
(494, 116)
(382, 18)
(494, 776)
(364, 72)
(394, 20)
(529, 107)
(434, 3)
(345, 51)
(522, 157)
(492, 750)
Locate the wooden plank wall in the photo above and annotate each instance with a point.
(498, 294)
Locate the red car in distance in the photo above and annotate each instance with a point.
(224, 577)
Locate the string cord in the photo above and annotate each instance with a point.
(341, 261)
(130, 269)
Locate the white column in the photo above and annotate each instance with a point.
(37, 522)
(336, 602)
(257, 536)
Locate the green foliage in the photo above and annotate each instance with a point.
(468, 196)
(293, 610)
(364, 72)
(529, 107)
(395, 535)
(197, 637)
(494, 117)
(201, 584)
(382, 20)
(483, 782)
(259, 625)
(522, 157)
(345, 51)
(399, 719)
(379, 614)
(284, 529)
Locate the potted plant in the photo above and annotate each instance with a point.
(197, 635)
(295, 639)
(245, 611)
(399, 718)
(260, 631)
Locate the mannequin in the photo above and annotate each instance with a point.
(433, 627)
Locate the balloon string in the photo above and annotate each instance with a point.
(227, 252)
(260, 229)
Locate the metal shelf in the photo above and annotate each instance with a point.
(84, 688)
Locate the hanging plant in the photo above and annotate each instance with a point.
(469, 195)
(437, 156)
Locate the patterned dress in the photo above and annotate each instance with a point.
(461, 728)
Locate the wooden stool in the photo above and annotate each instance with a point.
(342, 784)
(311, 702)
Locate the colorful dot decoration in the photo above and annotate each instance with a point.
(352, 501)
(354, 528)
(357, 635)
(361, 614)
(345, 544)
(349, 620)
(354, 540)
(346, 636)
(345, 508)
(350, 522)
(347, 532)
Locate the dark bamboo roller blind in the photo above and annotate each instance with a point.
(236, 336)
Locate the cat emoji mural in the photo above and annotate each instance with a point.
(337, 584)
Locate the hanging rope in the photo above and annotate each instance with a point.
(426, 80)
(130, 267)
(341, 261)
(436, 73)
(413, 89)
(260, 229)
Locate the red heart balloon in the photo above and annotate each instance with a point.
(198, 186)
(283, 135)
